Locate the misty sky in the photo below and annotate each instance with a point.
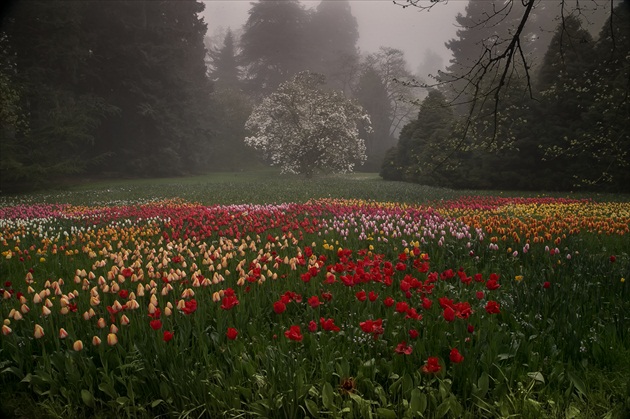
(381, 23)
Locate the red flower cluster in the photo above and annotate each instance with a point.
(328, 325)
(432, 366)
(403, 348)
(373, 326)
(190, 306)
(294, 333)
(455, 356)
(492, 307)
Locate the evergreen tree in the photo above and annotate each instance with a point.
(372, 95)
(333, 35)
(273, 43)
(150, 57)
(603, 146)
(225, 68)
(47, 66)
(95, 79)
(557, 117)
(424, 145)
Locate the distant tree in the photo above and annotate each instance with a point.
(273, 43)
(423, 142)
(332, 37)
(495, 45)
(391, 66)
(229, 151)
(225, 70)
(371, 93)
(428, 69)
(302, 128)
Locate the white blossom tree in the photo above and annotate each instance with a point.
(302, 128)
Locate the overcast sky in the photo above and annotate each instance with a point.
(381, 23)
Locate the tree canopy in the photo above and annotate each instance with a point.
(302, 128)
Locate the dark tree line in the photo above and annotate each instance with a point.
(103, 87)
(562, 124)
(126, 89)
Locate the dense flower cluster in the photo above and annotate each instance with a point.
(329, 270)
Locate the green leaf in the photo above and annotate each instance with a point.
(327, 395)
(87, 398)
(311, 406)
(407, 383)
(484, 384)
(443, 409)
(577, 382)
(108, 389)
(572, 412)
(537, 376)
(418, 401)
(155, 403)
(386, 413)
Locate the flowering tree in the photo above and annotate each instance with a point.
(302, 128)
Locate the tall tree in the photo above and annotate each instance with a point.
(120, 79)
(151, 56)
(273, 43)
(46, 69)
(333, 35)
(604, 146)
(371, 93)
(225, 70)
(423, 142)
(391, 66)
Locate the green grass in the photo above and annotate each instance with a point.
(264, 186)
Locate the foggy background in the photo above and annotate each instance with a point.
(381, 23)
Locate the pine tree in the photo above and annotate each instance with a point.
(225, 71)
(273, 43)
(372, 95)
(333, 35)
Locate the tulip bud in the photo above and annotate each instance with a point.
(101, 323)
(38, 332)
(124, 320)
(112, 339)
(77, 345)
(96, 341)
(6, 330)
(62, 333)
(45, 311)
(113, 329)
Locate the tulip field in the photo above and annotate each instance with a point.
(457, 306)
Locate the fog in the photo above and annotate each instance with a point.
(381, 23)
